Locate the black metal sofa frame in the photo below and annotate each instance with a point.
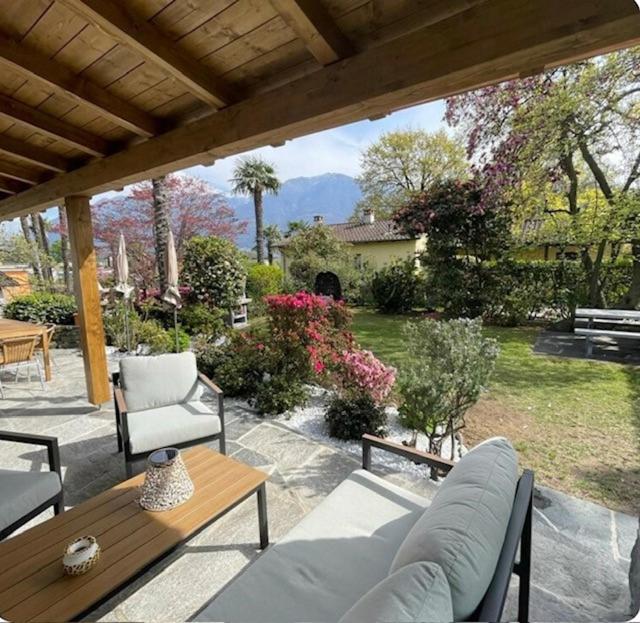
(518, 536)
(53, 454)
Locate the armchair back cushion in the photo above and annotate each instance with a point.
(152, 382)
(464, 527)
(417, 592)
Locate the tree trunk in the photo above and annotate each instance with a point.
(269, 252)
(594, 267)
(38, 268)
(631, 299)
(64, 247)
(160, 228)
(257, 204)
(26, 232)
(44, 242)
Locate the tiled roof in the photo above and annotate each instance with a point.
(378, 231)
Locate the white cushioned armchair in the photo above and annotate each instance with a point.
(158, 404)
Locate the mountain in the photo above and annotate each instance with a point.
(333, 195)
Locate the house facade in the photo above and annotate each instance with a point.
(15, 279)
(372, 243)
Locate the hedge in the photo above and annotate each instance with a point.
(42, 307)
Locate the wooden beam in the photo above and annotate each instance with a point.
(20, 173)
(52, 126)
(33, 154)
(60, 78)
(155, 47)
(313, 25)
(11, 187)
(482, 46)
(85, 281)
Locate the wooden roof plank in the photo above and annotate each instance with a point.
(33, 154)
(58, 77)
(52, 126)
(20, 173)
(484, 45)
(313, 24)
(11, 187)
(155, 47)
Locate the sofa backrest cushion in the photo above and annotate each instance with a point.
(151, 382)
(464, 527)
(416, 592)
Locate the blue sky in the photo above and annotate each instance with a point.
(331, 151)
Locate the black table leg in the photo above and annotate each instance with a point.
(262, 517)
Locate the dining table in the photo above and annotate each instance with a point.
(19, 328)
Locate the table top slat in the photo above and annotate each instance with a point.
(130, 537)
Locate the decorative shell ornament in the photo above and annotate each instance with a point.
(167, 483)
(81, 555)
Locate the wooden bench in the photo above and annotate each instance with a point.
(616, 323)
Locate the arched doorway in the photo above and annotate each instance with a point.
(328, 284)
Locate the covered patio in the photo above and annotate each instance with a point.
(580, 549)
(95, 96)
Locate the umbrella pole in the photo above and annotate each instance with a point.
(175, 325)
(126, 324)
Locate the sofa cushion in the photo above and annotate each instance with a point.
(336, 553)
(417, 592)
(166, 426)
(22, 492)
(150, 382)
(463, 529)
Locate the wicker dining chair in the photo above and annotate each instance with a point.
(17, 352)
(46, 338)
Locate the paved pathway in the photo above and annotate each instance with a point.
(580, 549)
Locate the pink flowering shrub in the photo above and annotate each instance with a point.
(361, 372)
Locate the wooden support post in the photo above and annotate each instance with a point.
(85, 279)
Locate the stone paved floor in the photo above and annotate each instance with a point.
(580, 549)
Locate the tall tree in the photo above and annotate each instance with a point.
(403, 164)
(569, 128)
(255, 177)
(272, 235)
(64, 246)
(43, 241)
(194, 208)
(35, 256)
(160, 227)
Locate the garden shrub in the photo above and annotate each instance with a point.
(198, 319)
(237, 366)
(396, 288)
(350, 418)
(263, 280)
(120, 322)
(42, 307)
(449, 363)
(151, 333)
(212, 267)
(362, 373)
(278, 394)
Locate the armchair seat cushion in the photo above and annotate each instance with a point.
(22, 492)
(174, 424)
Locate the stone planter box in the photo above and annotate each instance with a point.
(66, 336)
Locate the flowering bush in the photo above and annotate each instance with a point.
(213, 269)
(362, 373)
(307, 333)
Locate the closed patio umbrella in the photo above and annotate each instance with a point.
(122, 285)
(172, 293)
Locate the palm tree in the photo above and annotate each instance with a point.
(272, 235)
(253, 176)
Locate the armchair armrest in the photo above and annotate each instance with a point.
(205, 380)
(118, 396)
(51, 443)
(417, 456)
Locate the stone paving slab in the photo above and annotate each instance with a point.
(581, 550)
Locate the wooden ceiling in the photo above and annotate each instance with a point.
(98, 93)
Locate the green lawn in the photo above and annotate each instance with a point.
(577, 423)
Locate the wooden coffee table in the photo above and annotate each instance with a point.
(33, 586)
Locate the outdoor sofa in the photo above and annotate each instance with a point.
(26, 494)
(158, 404)
(373, 551)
